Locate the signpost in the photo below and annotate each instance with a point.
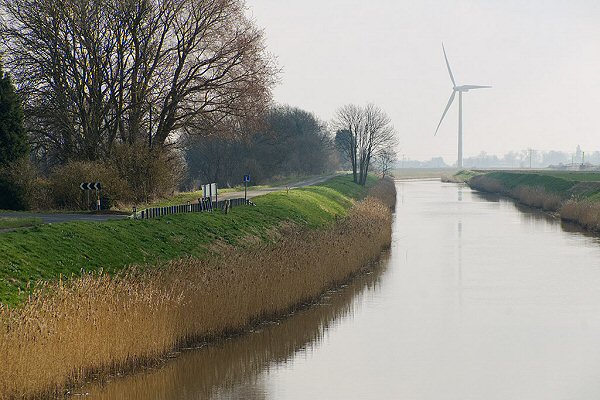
(209, 190)
(87, 186)
(246, 180)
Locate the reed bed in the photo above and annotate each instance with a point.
(581, 211)
(99, 323)
(535, 196)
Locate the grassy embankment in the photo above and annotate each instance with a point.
(13, 223)
(574, 196)
(461, 176)
(264, 260)
(50, 251)
(193, 196)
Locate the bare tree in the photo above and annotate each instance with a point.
(386, 159)
(98, 72)
(350, 118)
(368, 131)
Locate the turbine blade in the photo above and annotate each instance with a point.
(445, 110)
(469, 87)
(448, 65)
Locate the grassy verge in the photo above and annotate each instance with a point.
(99, 323)
(184, 197)
(461, 176)
(48, 252)
(574, 196)
(11, 223)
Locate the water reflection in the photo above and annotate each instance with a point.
(487, 197)
(232, 369)
(482, 299)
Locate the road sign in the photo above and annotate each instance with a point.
(90, 186)
(209, 190)
(246, 180)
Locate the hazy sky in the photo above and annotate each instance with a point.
(542, 57)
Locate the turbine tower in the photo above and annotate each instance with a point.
(460, 89)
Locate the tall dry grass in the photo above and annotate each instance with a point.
(207, 370)
(530, 196)
(487, 184)
(585, 213)
(99, 323)
(536, 197)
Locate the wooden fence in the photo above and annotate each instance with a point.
(204, 205)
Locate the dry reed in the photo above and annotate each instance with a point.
(536, 197)
(527, 195)
(585, 213)
(487, 184)
(98, 323)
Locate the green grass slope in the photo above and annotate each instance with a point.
(49, 251)
(566, 184)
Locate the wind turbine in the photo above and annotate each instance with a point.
(460, 89)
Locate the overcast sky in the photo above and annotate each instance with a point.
(541, 57)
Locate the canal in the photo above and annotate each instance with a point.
(478, 298)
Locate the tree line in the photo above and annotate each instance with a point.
(141, 94)
(97, 73)
(290, 141)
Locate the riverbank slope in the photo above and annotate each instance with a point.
(572, 195)
(97, 323)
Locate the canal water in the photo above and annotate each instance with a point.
(478, 298)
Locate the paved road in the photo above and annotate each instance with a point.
(50, 218)
(260, 192)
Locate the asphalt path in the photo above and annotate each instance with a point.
(262, 191)
(52, 218)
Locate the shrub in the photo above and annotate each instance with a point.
(12, 195)
(19, 187)
(150, 173)
(64, 184)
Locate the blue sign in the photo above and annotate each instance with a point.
(246, 178)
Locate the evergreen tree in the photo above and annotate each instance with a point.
(13, 146)
(13, 142)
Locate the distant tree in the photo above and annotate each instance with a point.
(378, 134)
(350, 118)
(13, 139)
(343, 148)
(386, 159)
(290, 141)
(369, 132)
